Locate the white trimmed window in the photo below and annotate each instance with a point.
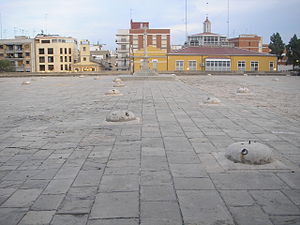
(271, 66)
(254, 66)
(192, 65)
(241, 66)
(179, 65)
(217, 64)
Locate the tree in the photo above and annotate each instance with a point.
(293, 51)
(6, 66)
(276, 45)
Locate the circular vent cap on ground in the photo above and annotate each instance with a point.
(249, 153)
(120, 116)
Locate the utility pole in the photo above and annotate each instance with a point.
(186, 18)
(228, 18)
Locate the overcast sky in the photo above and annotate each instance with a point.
(99, 20)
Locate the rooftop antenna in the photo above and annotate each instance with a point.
(228, 18)
(46, 18)
(131, 10)
(186, 18)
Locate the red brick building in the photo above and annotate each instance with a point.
(249, 42)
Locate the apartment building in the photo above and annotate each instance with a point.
(132, 40)
(250, 42)
(55, 53)
(20, 52)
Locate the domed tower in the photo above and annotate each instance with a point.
(206, 26)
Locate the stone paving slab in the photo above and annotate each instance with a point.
(61, 163)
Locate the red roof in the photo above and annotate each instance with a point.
(205, 33)
(215, 51)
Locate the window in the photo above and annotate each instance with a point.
(50, 67)
(179, 65)
(66, 58)
(42, 59)
(70, 58)
(45, 41)
(271, 66)
(66, 67)
(61, 67)
(66, 51)
(61, 58)
(27, 62)
(123, 47)
(50, 59)
(217, 64)
(42, 67)
(27, 53)
(84, 49)
(192, 65)
(1, 46)
(241, 66)
(41, 51)
(254, 66)
(84, 59)
(70, 51)
(50, 51)
(61, 51)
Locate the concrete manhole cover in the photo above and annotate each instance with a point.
(212, 100)
(249, 153)
(113, 92)
(120, 116)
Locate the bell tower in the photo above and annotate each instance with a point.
(206, 26)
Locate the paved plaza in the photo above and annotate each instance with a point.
(61, 163)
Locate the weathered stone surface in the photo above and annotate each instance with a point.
(160, 213)
(243, 90)
(22, 198)
(249, 153)
(48, 202)
(37, 217)
(275, 203)
(115, 205)
(158, 193)
(120, 116)
(69, 219)
(203, 207)
(11, 216)
(250, 215)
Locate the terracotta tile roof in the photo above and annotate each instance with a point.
(206, 33)
(216, 51)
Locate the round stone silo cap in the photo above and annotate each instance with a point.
(249, 153)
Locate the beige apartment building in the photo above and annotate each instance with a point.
(55, 53)
(20, 52)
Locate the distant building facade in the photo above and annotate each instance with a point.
(251, 42)
(85, 64)
(20, 52)
(207, 38)
(130, 40)
(220, 59)
(55, 53)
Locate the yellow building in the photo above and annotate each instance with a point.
(158, 60)
(85, 64)
(220, 59)
(55, 53)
